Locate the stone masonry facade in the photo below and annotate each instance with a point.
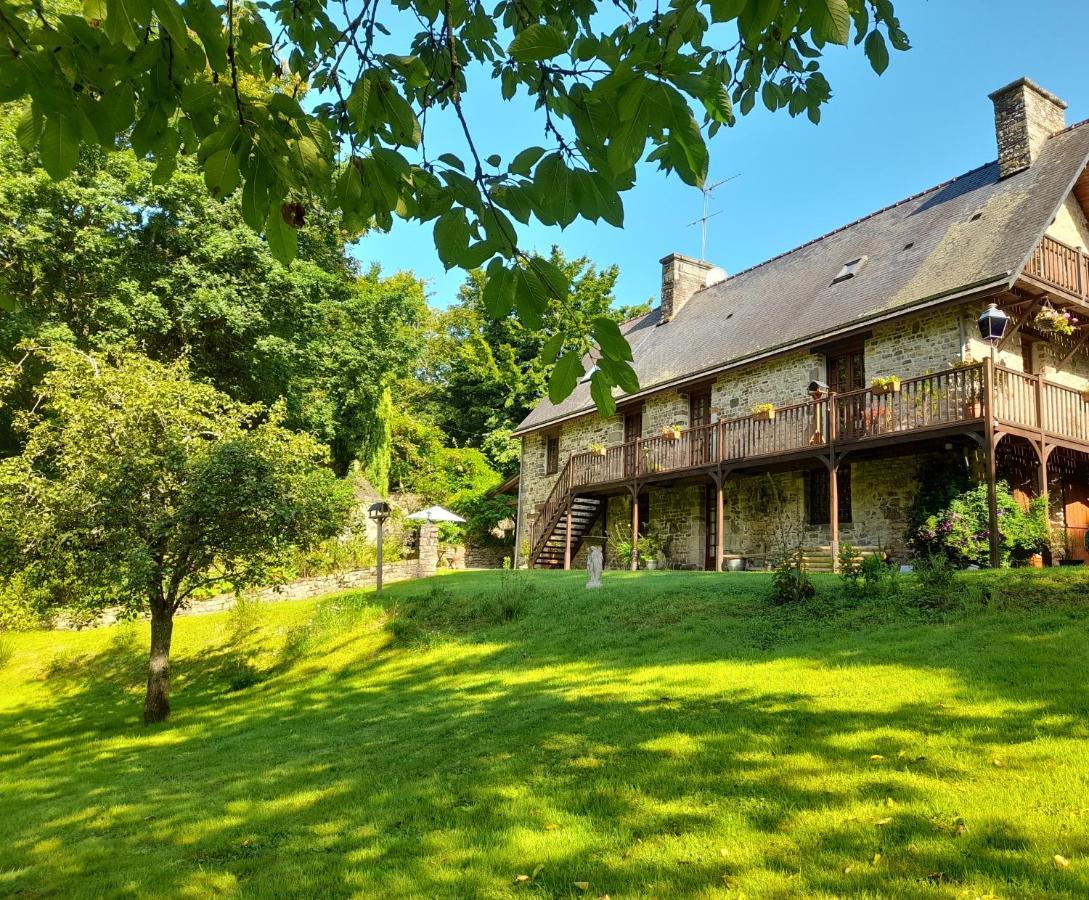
(764, 511)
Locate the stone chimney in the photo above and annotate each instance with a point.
(682, 276)
(1025, 116)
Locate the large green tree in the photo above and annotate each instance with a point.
(483, 374)
(294, 103)
(108, 257)
(137, 485)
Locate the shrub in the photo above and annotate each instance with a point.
(21, 605)
(6, 650)
(935, 573)
(850, 568)
(790, 583)
(880, 577)
(961, 531)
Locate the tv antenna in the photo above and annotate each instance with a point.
(708, 190)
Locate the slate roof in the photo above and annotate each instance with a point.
(967, 232)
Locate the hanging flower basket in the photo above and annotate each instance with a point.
(765, 412)
(1085, 395)
(672, 432)
(1050, 321)
(881, 386)
(598, 449)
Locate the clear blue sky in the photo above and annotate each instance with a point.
(881, 139)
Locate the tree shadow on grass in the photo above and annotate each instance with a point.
(583, 750)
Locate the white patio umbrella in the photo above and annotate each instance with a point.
(435, 514)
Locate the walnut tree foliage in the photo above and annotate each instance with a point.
(137, 486)
(294, 101)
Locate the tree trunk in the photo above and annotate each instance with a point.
(157, 699)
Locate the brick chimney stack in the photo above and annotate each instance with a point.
(682, 276)
(1025, 116)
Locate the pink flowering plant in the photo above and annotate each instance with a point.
(961, 532)
(1053, 321)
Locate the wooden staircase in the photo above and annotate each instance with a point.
(552, 549)
(820, 560)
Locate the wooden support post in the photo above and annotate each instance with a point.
(567, 541)
(720, 523)
(634, 530)
(833, 510)
(1043, 480)
(992, 502)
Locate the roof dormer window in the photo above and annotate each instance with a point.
(850, 269)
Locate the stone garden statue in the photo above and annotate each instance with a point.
(594, 565)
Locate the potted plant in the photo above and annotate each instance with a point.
(1052, 321)
(673, 432)
(598, 449)
(889, 385)
(764, 412)
(649, 548)
(1085, 395)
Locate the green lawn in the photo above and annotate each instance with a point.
(670, 735)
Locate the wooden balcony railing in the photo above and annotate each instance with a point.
(1033, 403)
(930, 401)
(1061, 266)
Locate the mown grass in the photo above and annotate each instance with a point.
(669, 735)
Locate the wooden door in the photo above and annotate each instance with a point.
(710, 514)
(633, 430)
(1076, 497)
(699, 415)
(847, 373)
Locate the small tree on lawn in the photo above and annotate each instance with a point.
(137, 486)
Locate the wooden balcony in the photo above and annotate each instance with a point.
(1057, 265)
(956, 400)
(932, 402)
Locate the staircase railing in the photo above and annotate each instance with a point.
(550, 512)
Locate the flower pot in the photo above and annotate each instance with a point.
(602, 452)
(881, 390)
(1036, 561)
(672, 435)
(765, 415)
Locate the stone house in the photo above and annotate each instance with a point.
(793, 404)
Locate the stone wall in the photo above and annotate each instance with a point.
(661, 409)
(767, 514)
(488, 556)
(917, 345)
(781, 381)
(676, 515)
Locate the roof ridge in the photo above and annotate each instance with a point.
(1069, 128)
(862, 219)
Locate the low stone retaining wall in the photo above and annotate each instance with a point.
(306, 588)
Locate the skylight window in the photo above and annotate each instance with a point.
(850, 269)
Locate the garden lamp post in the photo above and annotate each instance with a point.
(378, 513)
(992, 328)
